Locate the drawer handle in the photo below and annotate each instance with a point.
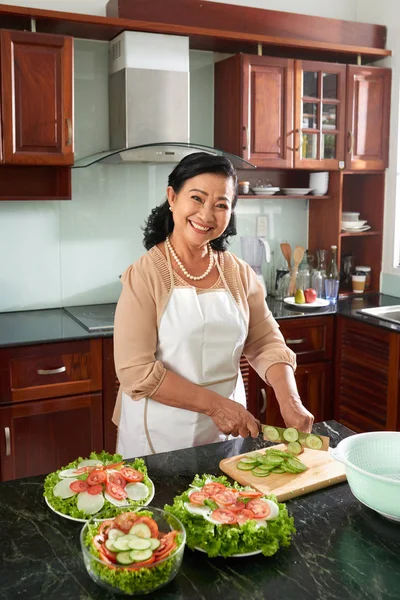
(298, 341)
(264, 405)
(8, 440)
(51, 371)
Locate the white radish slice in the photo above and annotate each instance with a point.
(62, 489)
(208, 517)
(197, 510)
(192, 491)
(67, 473)
(137, 491)
(90, 504)
(90, 462)
(261, 523)
(274, 508)
(114, 501)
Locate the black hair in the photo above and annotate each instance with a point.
(160, 222)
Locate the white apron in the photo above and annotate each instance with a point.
(200, 337)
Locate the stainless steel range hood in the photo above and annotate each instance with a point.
(149, 102)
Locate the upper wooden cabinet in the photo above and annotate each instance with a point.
(368, 111)
(36, 99)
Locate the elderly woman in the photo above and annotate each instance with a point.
(187, 312)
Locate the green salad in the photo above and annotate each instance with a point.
(226, 520)
(103, 484)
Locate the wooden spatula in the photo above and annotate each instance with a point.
(287, 253)
(297, 258)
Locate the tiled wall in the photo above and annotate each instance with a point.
(66, 253)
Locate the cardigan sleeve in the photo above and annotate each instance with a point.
(135, 337)
(265, 345)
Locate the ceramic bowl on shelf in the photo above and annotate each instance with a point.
(353, 224)
(296, 191)
(264, 191)
(350, 216)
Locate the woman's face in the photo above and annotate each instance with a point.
(202, 208)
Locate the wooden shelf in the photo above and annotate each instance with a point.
(283, 197)
(359, 234)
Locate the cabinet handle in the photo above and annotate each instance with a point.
(69, 130)
(350, 142)
(247, 134)
(297, 131)
(51, 371)
(298, 341)
(264, 404)
(8, 440)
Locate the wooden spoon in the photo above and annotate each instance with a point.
(297, 258)
(287, 253)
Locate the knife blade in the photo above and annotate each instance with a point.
(272, 433)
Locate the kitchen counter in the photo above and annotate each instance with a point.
(342, 550)
(56, 325)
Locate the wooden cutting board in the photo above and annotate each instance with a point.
(323, 471)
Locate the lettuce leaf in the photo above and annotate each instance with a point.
(69, 506)
(226, 540)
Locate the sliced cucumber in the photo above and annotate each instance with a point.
(272, 459)
(314, 442)
(246, 466)
(291, 434)
(110, 545)
(260, 472)
(140, 555)
(113, 534)
(141, 530)
(295, 463)
(124, 558)
(294, 448)
(250, 460)
(139, 544)
(271, 433)
(277, 470)
(154, 543)
(121, 544)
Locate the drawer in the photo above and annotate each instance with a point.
(311, 338)
(50, 370)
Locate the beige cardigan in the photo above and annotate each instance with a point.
(144, 296)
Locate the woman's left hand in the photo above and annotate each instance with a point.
(296, 415)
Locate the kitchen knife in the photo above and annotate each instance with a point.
(289, 435)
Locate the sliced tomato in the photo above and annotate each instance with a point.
(125, 521)
(224, 515)
(250, 494)
(224, 498)
(167, 552)
(237, 507)
(198, 498)
(79, 486)
(106, 526)
(117, 479)
(112, 556)
(96, 476)
(132, 475)
(151, 524)
(212, 488)
(116, 491)
(244, 515)
(260, 508)
(140, 565)
(98, 542)
(95, 489)
(114, 465)
(82, 470)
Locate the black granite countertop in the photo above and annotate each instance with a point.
(55, 325)
(341, 551)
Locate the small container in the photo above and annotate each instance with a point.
(367, 271)
(358, 282)
(350, 216)
(244, 187)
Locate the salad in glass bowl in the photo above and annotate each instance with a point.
(134, 553)
(98, 485)
(230, 520)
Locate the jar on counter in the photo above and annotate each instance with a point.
(367, 271)
(244, 187)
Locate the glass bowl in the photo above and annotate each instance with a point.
(130, 580)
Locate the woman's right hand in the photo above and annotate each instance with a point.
(233, 419)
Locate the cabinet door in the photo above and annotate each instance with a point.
(319, 115)
(368, 112)
(41, 436)
(36, 91)
(110, 392)
(267, 101)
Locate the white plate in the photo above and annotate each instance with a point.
(296, 191)
(265, 190)
(233, 555)
(356, 229)
(93, 516)
(319, 303)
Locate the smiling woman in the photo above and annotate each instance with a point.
(187, 311)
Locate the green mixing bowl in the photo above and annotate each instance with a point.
(372, 463)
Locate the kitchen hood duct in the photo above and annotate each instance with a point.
(149, 101)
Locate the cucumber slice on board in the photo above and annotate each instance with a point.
(246, 466)
(250, 460)
(295, 448)
(260, 472)
(277, 470)
(271, 433)
(291, 434)
(313, 441)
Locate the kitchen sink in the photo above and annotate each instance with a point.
(387, 313)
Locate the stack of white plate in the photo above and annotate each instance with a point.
(355, 226)
(296, 191)
(265, 190)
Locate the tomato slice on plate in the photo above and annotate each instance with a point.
(224, 515)
(79, 486)
(93, 490)
(132, 475)
(116, 491)
(224, 498)
(151, 524)
(237, 507)
(250, 494)
(114, 465)
(198, 498)
(212, 488)
(244, 515)
(260, 508)
(116, 478)
(96, 476)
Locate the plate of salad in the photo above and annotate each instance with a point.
(231, 520)
(98, 485)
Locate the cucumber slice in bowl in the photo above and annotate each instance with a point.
(291, 434)
(314, 442)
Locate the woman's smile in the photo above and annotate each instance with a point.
(202, 229)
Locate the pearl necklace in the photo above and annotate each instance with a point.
(183, 269)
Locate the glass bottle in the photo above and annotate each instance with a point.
(303, 280)
(319, 274)
(332, 278)
(333, 271)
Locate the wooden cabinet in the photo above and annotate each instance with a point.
(50, 406)
(254, 109)
(368, 111)
(367, 383)
(110, 392)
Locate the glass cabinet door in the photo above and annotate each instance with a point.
(319, 115)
